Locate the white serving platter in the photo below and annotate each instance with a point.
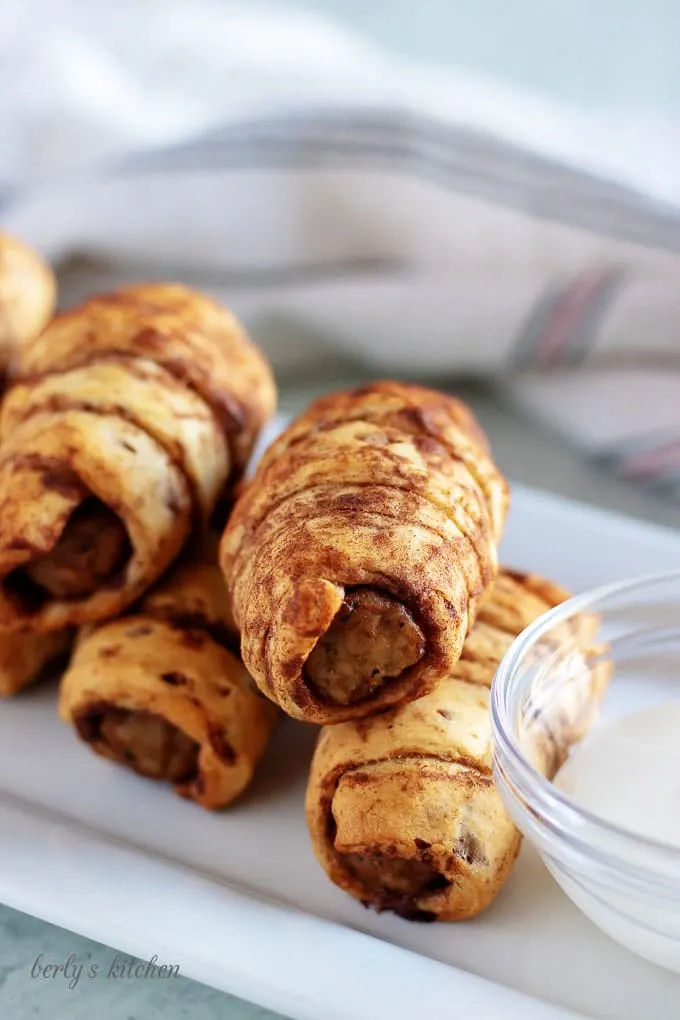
(237, 899)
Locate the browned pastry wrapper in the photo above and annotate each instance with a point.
(23, 658)
(194, 595)
(402, 808)
(357, 556)
(132, 414)
(160, 692)
(28, 294)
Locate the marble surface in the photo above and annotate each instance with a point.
(104, 993)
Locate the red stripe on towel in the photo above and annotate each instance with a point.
(652, 463)
(568, 313)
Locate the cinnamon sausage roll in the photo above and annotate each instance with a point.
(357, 556)
(402, 808)
(160, 691)
(132, 414)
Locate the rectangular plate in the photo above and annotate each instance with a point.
(237, 899)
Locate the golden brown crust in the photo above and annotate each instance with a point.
(28, 294)
(120, 400)
(143, 394)
(415, 784)
(158, 691)
(193, 594)
(192, 337)
(48, 468)
(23, 658)
(388, 487)
(431, 419)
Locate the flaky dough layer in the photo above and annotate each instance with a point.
(160, 692)
(143, 405)
(23, 658)
(388, 490)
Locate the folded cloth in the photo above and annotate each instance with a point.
(423, 220)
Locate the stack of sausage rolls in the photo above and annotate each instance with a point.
(363, 567)
(356, 585)
(125, 427)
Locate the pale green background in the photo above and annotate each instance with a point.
(585, 51)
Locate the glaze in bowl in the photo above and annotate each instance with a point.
(623, 879)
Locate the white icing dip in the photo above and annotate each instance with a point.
(627, 772)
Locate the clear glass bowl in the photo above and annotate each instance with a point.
(572, 683)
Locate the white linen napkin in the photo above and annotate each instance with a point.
(340, 200)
